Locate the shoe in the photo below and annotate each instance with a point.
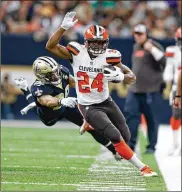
(85, 127)
(147, 172)
(150, 151)
(22, 84)
(117, 157)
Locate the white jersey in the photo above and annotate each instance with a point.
(91, 85)
(173, 65)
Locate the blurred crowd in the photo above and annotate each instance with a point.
(42, 18)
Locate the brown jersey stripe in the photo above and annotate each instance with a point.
(113, 60)
(72, 49)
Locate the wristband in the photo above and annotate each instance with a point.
(178, 96)
(59, 102)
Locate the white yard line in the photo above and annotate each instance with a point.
(170, 166)
(36, 124)
(108, 175)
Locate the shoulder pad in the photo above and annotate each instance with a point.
(113, 56)
(38, 90)
(74, 48)
(170, 51)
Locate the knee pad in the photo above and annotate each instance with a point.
(112, 133)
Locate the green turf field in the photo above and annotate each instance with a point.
(61, 159)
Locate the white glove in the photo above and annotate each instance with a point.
(68, 102)
(68, 20)
(116, 75)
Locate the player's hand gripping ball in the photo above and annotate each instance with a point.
(113, 74)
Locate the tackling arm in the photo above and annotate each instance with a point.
(71, 81)
(48, 101)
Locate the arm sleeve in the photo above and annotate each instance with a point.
(169, 69)
(159, 56)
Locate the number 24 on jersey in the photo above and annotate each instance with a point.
(83, 85)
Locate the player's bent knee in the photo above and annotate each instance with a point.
(112, 133)
(127, 134)
(49, 124)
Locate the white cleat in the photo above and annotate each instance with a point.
(117, 157)
(22, 84)
(147, 172)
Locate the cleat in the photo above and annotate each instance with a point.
(117, 157)
(85, 127)
(22, 84)
(147, 172)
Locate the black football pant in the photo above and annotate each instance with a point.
(107, 119)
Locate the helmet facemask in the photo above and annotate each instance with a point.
(97, 46)
(53, 77)
(46, 72)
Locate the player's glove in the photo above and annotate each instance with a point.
(113, 75)
(68, 20)
(68, 102)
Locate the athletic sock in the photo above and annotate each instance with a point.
(102, 140)
(125, 151)
(135, 161)
(111, 148)
(175, 125)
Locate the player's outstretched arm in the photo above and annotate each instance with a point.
(129, 76)
(49, 101)
(71, 81)
(53, 43)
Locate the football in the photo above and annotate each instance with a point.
(109, 67)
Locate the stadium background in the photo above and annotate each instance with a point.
(26, 26)
(35, 159)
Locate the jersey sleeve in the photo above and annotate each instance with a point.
(170, 52)
(73, 48)
(113, 57)
(38, 89)
(169, 69)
